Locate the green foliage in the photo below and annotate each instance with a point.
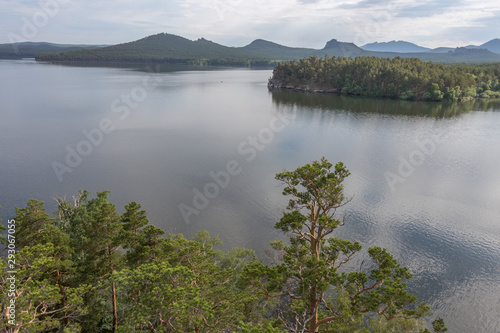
(399, 78)
(192, 288)
(310, 289)
(453, 94)
(168, 297)
(248, 328)
(439, 326)
(95, 231)
(134, 237)
(433, 93)
(90, 269)
(407, 95)
(44, 298)
(33, 224)
(401, 325)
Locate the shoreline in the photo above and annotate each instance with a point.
(273, 85)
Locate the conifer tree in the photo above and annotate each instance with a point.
(307, 276)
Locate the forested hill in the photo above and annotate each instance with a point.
(162, 48)
(399, 78)
(167, 48)
(32, 49)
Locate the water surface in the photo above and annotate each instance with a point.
(425, 178)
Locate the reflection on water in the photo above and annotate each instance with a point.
(381, 106)
(152, 67)
(441, 220)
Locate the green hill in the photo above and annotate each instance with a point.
(167, 48)
(162, 48)
(32, 49)
(269, 50)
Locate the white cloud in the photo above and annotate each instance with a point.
(308, 23)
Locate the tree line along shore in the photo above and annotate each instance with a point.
(397, 78)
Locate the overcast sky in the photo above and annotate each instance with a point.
(307, 23)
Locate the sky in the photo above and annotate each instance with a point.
(297, 23)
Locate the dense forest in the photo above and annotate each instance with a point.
(90, 269)
(398, 78)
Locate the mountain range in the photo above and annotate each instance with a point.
(168, 48)
(493, 45)
(395, 46)
(407, 47)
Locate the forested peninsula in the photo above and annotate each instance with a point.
(398, 78)
(91, 269)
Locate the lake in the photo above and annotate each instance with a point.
(199, 149)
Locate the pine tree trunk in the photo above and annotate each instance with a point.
(313, 311)
(115, 313)
(63, 298)
(113, 292)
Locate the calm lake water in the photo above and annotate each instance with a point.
(425, 176)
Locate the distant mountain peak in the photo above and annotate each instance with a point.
(331, 44)
(262, 42)
(400, 46)
(334, 47)
(493, 45)
(471, 51)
